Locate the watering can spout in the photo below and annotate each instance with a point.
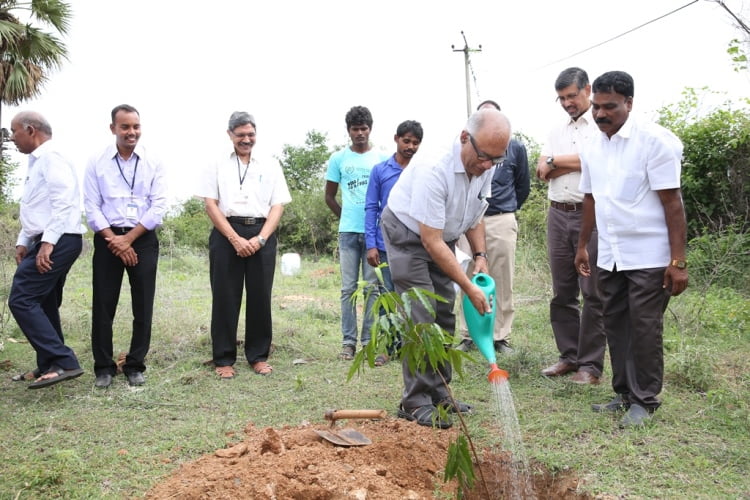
(497, 375)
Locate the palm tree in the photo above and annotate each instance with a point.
(27, 53)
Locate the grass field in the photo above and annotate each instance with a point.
(74, 441)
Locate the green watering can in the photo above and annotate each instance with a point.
(481, 326)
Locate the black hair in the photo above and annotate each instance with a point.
(123, 107)
(615, 81)
(410, 126)
(491, 103)
(358, 115)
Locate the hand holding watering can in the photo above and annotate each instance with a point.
(482, 325)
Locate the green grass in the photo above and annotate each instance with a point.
(73, 441)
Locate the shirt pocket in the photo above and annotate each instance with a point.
(630, 187)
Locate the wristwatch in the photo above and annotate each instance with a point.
(261, 240)
(480, 254)
(551, 162)
(679, 264)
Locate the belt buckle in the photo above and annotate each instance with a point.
(571, 207)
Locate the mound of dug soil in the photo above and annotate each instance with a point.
(404, 460)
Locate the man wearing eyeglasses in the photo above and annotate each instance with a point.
(578, 331)
(125, 198)
(428, 209)
(510, 188)
(244, 197)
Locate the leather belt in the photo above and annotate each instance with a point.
(121, 230)
(567, 207)
(497, 213)
(246, 221)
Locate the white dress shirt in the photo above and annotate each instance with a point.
(51, 200)
(568, 138)
(624, 173)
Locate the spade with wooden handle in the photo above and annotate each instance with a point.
(348, 437)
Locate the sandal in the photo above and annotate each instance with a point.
(427, 415)
(450, 407)
(262, 368)
(55, 375)
(27, 376)
(225, 372)
(381, 359)
(347, 353)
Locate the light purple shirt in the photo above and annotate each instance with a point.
(109, 189)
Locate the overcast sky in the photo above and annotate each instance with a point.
(300, 65)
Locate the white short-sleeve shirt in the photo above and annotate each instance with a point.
(441, 195)
(242, 193)
(624, 173)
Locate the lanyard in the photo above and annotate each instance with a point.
(241, 177)
(130, 184)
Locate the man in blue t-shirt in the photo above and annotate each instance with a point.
(382, 178)
(350, 168)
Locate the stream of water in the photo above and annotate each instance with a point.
(512, 442)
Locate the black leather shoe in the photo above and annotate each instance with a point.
(103, 381)
(617, 404)
(136, 378)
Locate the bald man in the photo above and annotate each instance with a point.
(428, 209)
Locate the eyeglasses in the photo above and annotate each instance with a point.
(569, 97)
(249, 135)
(481, 156)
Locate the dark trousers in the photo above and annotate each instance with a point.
(35, 301)
(579, 331)
(107, 282)
(229, 273)
(634, 305)
(411, 266)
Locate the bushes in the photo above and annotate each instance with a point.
(189, 227)
(716, 165)
(308, 226)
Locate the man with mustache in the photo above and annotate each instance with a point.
(382, 178)
(350, 168)
(125, 197)
(630, 174)
(244, 196)
(578, 330)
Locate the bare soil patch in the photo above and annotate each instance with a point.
(404, 460)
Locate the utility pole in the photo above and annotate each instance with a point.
(466, 51)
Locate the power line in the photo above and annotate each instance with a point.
(739, 21)
(620, 35)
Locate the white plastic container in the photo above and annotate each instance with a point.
(290, 264)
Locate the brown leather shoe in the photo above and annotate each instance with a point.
(558, 369)
(583, 377)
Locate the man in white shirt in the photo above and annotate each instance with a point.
(578, 328)
(428, 209)
(47, 246)
(630, 174)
